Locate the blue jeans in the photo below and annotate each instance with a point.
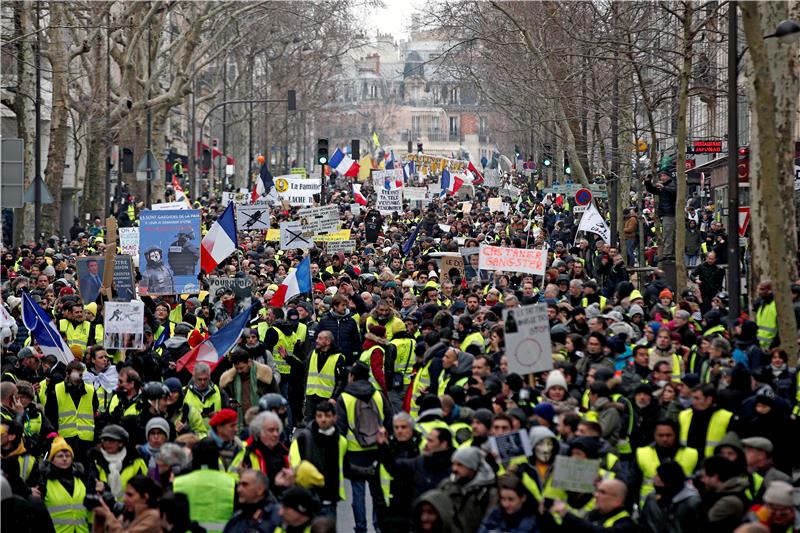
(365, 459)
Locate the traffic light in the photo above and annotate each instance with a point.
(291, 100)
(567, 168)
(547, 159)
(419, 148)
(355, 149)
(322, 151)
(517, 154)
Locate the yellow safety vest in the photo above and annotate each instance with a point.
(421, 382)
(585, 302)
(77, 335)
(350, 411)
(210, 494)
(403, 363)
(648, 461)
(207, 408)
(74, 421)
(288, 342)
(295, 458)
(67, 510)
(366, 358)
(609, 522)
(131, 410)
(26, 464)
(539, 494)
(717, 427)
(322, 382)
(767, 321)
(394, 325)
(236, 463)
(137, 467)
(676, 364)
(444, 383)
(473, 338)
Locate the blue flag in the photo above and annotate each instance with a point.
(43, 330)
(411, 240)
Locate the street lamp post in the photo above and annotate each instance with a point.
(734, 288)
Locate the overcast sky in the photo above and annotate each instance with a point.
(394, 17)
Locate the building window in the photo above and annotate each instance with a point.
(454, 95)
(453, 126)
(373, 91)
(482, 126)
(416, 125)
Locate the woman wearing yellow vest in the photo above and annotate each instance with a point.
(63, 490)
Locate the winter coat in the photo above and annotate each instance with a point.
(519, 522)
(692, 245)
(667, 196)
(345, 333)
(724, 509)
(264, 377)
(608, 416)
(427, 471)
(679, 516)
(146, 522)
(472, 501)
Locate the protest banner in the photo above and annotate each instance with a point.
(292, 236)
(319, 220)
(169, 252)
(240, 197)
(495, 204)
(295, 190)
(520, 260)
(124, 325)
(510, 446)
(341, 235)
(452, 266)
(170, 206)
(527, 336)
(340, 246)
(415, 193)
(434, 190)
(252, 216)
(575, 475)
(129, 241)
(124, 281)
(466, 207)
(242, 289)
(389, 202)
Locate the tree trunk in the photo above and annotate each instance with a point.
(59, 116)
(774, 86)
(26, 117)
(95, 129)
(680, 160)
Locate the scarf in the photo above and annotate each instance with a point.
(237, 386)
(777, 370)
(334, 314)
(108, 379)
(114, 469)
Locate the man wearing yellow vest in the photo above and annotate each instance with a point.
(326, 374)
(609, 512)
(703, 426)
(286, 340)
(469, 335)
(361, 412)
(665, 447)
(75, 329)
(71, 408)
(206, 397)
(766, 315)
(386, 316)
(210, 492)
(405, 354)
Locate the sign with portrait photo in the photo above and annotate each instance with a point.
(169, 252)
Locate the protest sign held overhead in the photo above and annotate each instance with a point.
(293, 236)
(527, 336)
(124, 325)
(169, 257)
(295, 190)
(252, 216)
(513, 260)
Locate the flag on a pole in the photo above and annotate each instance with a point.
(44, 331)
(213, 349)
(343, 164)
(220, 241)
(357, 196)
(375, 139)
(592, 222)
(409, 169)
(478, 179)
(297, 282)
(264, 184)
(411, 240)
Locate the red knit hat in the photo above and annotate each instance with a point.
(223, 416)
(66, 290)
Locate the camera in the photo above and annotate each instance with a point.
(92, 501)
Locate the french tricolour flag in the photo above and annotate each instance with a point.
(343, 164)
(214, 348)
(219, 242)
(44, 331)
(357, 196)
(297, 282)
(451, 183)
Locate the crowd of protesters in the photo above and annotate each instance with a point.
(391, 377)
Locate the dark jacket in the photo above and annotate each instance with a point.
(427, 471)
(345, 333)
(243, 522)
(363, 390)
(679, 515)
(724, 509)
(519, 522)
(667, 196)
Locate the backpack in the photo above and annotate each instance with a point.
(368, 422)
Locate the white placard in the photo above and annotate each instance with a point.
(466, 207)
(527, 335)
(495, 204)
(295, 190)
(235, 197)
(389, 202)
(575, 475)
(129, 241)
(319, 220)
(124, 325)
(340, 246)
(292, 236)
(511, 446)
(513, 260)
(170, 206)
(415, 193)
(252, 216)
(355, 209)
(445, 228)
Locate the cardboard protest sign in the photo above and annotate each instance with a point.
(389, 202)
(319, 220)
(452, 266)
(415, 193)
(124, 325)
(169, 255)
(510, 446)
(575, 475)
(252, 216)
(295, 190)
(242, 289)
(527, 336)
(340, 246)
(129, 241)
(235, 197)
(341, 235)
(292, 236)
(170, 206)
(495, 204)
(513, 260)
